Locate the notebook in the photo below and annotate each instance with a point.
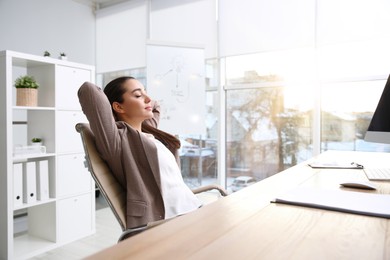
(363, 203)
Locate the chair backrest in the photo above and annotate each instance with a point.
(109, 187)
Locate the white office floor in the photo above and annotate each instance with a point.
(107, 234)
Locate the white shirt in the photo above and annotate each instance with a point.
(178, 198)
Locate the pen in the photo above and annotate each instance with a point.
(357, 165)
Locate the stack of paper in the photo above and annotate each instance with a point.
(363, 203)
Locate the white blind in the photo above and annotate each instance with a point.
(352, 20)
(353, 39)
(121, 32)
(249, 26)
(189, 22)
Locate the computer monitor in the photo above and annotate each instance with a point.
(379, 128)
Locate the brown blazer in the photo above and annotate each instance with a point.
(131, 156)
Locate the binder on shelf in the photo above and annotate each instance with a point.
(18, 183)
(29, 182)
(42, 168)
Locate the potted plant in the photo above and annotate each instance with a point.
(46, 54)
(26, 91)
(36, 141)
(63, 56)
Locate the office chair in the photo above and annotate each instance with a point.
(109, 187)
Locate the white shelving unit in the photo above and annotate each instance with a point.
(68, 212)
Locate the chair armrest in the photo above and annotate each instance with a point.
(131, 232)
(222, 191)
(134, 231)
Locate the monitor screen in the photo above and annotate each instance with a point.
(379, 128)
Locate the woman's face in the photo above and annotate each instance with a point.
(136, 105)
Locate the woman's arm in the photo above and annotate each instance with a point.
(97, 109)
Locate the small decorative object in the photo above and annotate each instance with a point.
(36, 141)
(46, 54)
(26, 91)
(63, 56)
(36, 147)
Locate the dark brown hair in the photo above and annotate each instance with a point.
(114, 91)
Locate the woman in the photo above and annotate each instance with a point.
(143, 159)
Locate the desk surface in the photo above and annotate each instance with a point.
(245, 225)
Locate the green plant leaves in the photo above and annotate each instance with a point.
(26, 82)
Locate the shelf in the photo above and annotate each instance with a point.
(37, 203)
(23, 62)
(57, 208)
(33, 108)
(24, 157)
(26, 246)
(29, 60)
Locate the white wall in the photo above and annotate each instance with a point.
(56, 26)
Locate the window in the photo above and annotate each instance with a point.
(269, 108)
(347, 109)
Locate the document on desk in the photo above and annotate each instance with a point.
(335, 165)
(363, 203)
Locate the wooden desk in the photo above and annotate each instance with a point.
(245, 225)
